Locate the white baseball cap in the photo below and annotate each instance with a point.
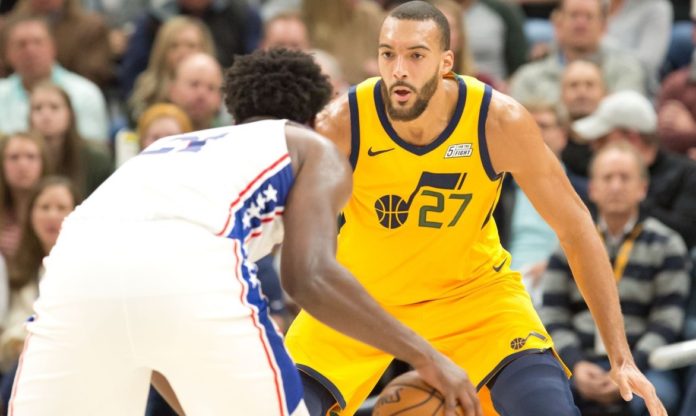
(624, 109)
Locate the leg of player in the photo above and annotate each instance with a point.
(533, 384)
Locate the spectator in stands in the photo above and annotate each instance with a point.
(677, 110)
(651, 267)
(31, 52)
(495, 34)
(81, 38)
(582, 89)
(86, 164)
(23, 162)
(285, 30)
(644, 28)
(579, 27)
(236, 29)
(161, 120)
(178, 38)
(628, 116)
(349, 31)
(50, 202)
(196, 89)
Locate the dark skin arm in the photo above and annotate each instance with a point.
(325, 289)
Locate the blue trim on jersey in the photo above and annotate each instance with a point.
(483, 145)
(270, 195)
(325, 382)
(291, 382)
(420, 150)
(354, 127)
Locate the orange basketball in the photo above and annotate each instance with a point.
(409, 395)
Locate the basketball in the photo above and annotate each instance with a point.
(409, 395)
(392, 211)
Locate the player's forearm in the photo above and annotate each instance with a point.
(335, 298)
(593, 275)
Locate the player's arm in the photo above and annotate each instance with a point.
(516, 146)
(316, 281)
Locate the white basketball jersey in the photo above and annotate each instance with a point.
(233, 181)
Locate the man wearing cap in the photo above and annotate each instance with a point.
(650, 264)
(628, 116)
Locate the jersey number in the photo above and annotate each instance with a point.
(185, 143)
(440, 206)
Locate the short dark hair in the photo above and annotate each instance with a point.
(422, 11)
(277, 83)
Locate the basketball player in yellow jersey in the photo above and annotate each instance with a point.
(428, 150)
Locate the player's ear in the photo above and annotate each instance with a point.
(447, 62)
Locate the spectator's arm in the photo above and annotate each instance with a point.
(556, 312)
(671, 285)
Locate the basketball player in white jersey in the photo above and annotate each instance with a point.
(155, 271)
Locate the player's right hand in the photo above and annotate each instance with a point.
(454, 384)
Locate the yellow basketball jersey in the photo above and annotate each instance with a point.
(419, 224)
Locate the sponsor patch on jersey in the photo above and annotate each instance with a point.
(458, 150)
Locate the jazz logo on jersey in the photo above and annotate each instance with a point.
(458, 150)
(438, 189)
(518, 343)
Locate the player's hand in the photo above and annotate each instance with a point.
(454, 384)
(630, 380)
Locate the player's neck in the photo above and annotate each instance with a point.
(428, 126)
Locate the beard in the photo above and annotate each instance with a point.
(423, 97)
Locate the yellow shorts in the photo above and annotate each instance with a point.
(481, 332)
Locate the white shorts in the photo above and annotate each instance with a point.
(162, 296)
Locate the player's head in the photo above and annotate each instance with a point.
(277, 83)
(414, 54)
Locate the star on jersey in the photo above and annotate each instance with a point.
(256, 208)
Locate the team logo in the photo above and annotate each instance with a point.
(371, 152)
(458, 150)
(518, 343)
(436, 190)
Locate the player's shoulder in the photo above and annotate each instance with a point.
(505, 116)
(333, 122)
(504, 108)
(335, 114)
(304, 143)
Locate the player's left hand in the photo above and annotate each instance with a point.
(453, 382)
(630, 380)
